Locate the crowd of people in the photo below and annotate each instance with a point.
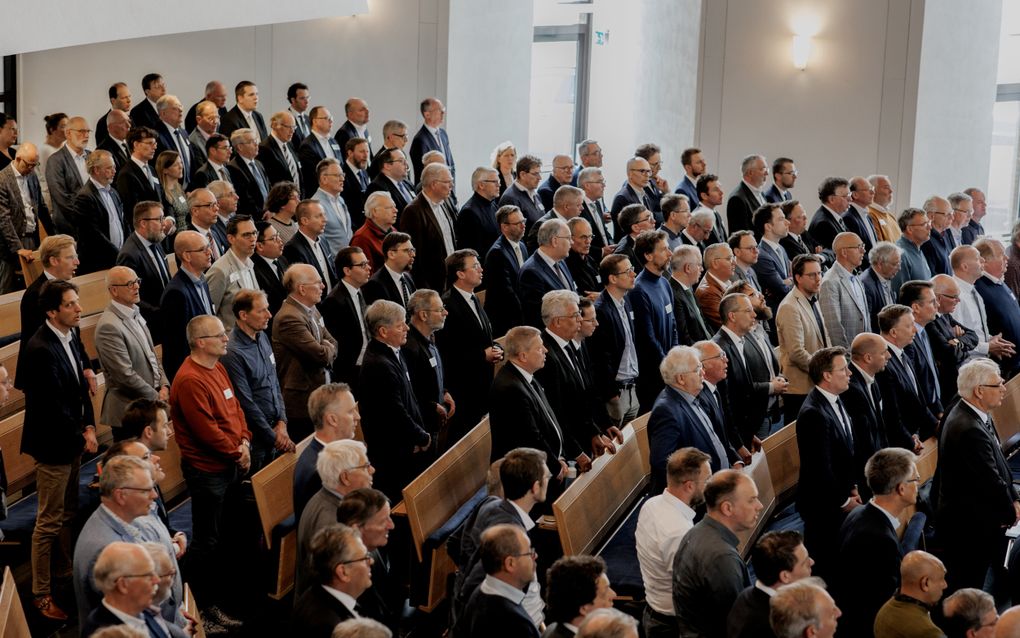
(324, 285)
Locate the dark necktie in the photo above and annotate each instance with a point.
(154, 629)
(361, 303)
(278, 269)
(405, 292)
(405, 192)
(160, 264)
(182, 146)
(359, 610)
(818, 319)
(846, 425)
(481, 315)
(876, 400)
(363, 178)
(547, 409)
(259, 179)
(692, 304)
(574, 360)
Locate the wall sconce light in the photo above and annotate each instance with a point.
(801, 51)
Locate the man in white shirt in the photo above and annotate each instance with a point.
(338, 219)
(172, 136)
(967, 268)
(662, 524)
(207, 122)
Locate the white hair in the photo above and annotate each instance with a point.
(336, 457)
(975, 373)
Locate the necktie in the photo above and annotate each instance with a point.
(160, 264)
(600, 228)
(182, 146)
(981, 314)
(223, 174)
(846, 424)
(720, 451)
(517, 253)
(123, 147)
(155, 631)
(582, 370)
(363, 178)
(813, 302)
(405, 292)
(203, 288)
(926, 350)
(547, 409)
(303, 120)
(359, 611)
(291, 164)
(910, 372)
(214, 246)
(405, 192)
(278, 269)
(784, 262)
(259, 179)
(692, 306)
(876, 400)
(569, 351)
(478, 312)
(558, 267)
(361, 303)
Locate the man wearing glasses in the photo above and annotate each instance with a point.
(523, 193)
(186, 296)
(173, 137)
(476, 223)
(940, 242)
(136, 180)
(247, 173)
(143, 253)
(392, 179)
(318, 145)
(784, 176)
(639, 173)
(747, 196)
(66, 172)
(342, 567)
(827, 222)
(234, 271)
(20, 185)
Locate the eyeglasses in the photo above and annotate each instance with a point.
(366, 558)
(209, 205)
(203, 249)
(567, 237)
(441, 309)
(584, 237)
(151, 488)
(363, 466)
(361, 264)
(721, 355)
(576, 315)
(409, 251)
(249, 235)
(629, 271)
(531, 552)
(273, 238)
(128, 284)
(947, 296)
(149, 575)
(489, 181)
(520, 223)
(1001, 385)
(794, 173)
(215, 336)
(643, 171)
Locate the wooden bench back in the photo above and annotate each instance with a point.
(589, 509)
(784, 461)
(15, 397)
(437, 493)
(31, 269)
(762, 477)
(273, 486)
(925, 469)
(1004, 416)
(93, 295)
(10, 313)
(13, 623)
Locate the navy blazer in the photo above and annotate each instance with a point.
(120, 156)
(306, 479)
(673, 425)
(381, 286)
(547, 189)
(855, 224)
(874, 294)
(936, 252)
(422, 143)
(309, 154)
(655, 331)
(354, 194)
(926, 375)
(949, 356)
(340, 314)
(899, 398)
(502, 277)
(180, 304)
(386, 185)
(346, 132)
(299, 251)
(772, 269)
(623, 198)
(827, 466)
(138, 258)
(270, 282)
(89, 216)
(598, 228)
(276, 164)
(476, 225)
(570, 397)
(825, 226)
(773, 195)
(869, 568)
(317, 612)
(740, 207)
(165, 142)
(1003, 315)
(608, 343)
(536, 279)
(234, 120)
(516, 419)
(685, 187)
(514, 196)
(250, 200)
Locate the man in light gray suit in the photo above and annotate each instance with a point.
(22, 208)
(207, 121)
(66, 173)
(126, 351)
(234, 270)
(841, 297)
(338, 219)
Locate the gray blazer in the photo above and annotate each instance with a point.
(318, 513)
(225, 280)
(844, 315)
(12, 210)
(129, 363)
(64, 181)
(198, 148)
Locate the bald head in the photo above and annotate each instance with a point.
(28, 152)
(187, 240)
(867, 343)
(845, 240)
(1009, 624)
(922, 576)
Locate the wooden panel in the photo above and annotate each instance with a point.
(640, 426)
(13, 623)
(171, 264)
(15, 398)
(926, 470)
(93, 294)
(87, 329)
(784, 460)
(191, 607)
(1004, 416)
(170, 460)
(762, 477)
(20, 467)
(10, 313)
(287, 566)
(273, 486)
(588, 510)
(438, 492)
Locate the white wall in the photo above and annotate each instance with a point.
(391, 57)
(851, 112)
(956, 94)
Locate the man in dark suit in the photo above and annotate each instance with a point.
(247, 174)
(798, 240)
(465, 343)
(657, 186)
(940, 242)
(827, 222)
(613, 349)
(334, 415)
(784, 176)
(98, 216)
(694, 166)
(562, 167)
(898, 384)
(951, 342)
(216, 165)
(863, 401)
(216, 94)
(778, 558)
(308, 246)
(427, 316)
(632, 192)
(633, 220)
(827, 490)
(144, 113)
(394, 136)
(298, 98)
(392, 179)
(143, 253)
(877, 280)
(545, 270)
(244, 113)
(430, 137)
(857, 219)
(270, 264)
(136, 180)
(522, 192)
(343, 311)
(171, 136)
(567, 204)
(773, 268)
(120, 100)
(185, 297)
(115, 142)
(654, 319)
(317, 146)
(206, 125)
(429, 222)
(356, 125)
(476, 223)
(392, 422)
(747, 197)
(593, 183)
(686, 271)
(1000, 304)
(59, 425)
(317, 611)
(710, 198)
(582, 266)
(356, 179)
(974, 486)
(919, 296)
(503, 263)
(392, 281)
(205, 220)
(869, 555)
(277, 152)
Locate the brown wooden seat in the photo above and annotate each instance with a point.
(191, 607)
(926, 464)
(93, 295)
(784, 461)
(1004, 416)
(762, 477)
(15, 397)
(31, 270)
(433, 498)
(13, 623)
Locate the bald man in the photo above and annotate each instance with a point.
(639, 173)
(186, 296)
(905, 615)
(66, 173)
(951, 341)
(940, 241)
(841, 297)
(18, 225)
(562, 169)
(863, 399)
(356, 124)
(1009, 624)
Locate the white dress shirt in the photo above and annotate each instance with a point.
(663, 522)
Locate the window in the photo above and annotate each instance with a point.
(1004, 166)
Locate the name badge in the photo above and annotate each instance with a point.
(432, 361)
(631, 313)
(234, 276)
(669, 308)
(272, 358)
(322, 324)
(598, 279)
(228, 394)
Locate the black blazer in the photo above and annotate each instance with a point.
(926, 381)
(317, 612)
(234, 120)
(386, 185)
(873, 294)
(570, 397)
(868, 567)
(749, 616)
(949, 351)
(853, 222)
(547, 189)
(31, 318)
(462, 343)
(517, 419)
(419, 221)
(89, 216)
(133, 186)
(346, 132)
(899, 398)
(747, 385)
(57, 403)
(180, 304)
(354, 195)
(381, 286)
(585, 271)
(494, 617)
(536, 279)
(299, 251)
(625, 197)
(165, 142)
(427, 381)
(827, 465)
(595, 221)
(773, 195)
(607, 345)
(422, 143)
(275, 163)
(271, 283)
(521, 199)
(502, 277)
(138, 258)
(476, 224)
(825, 226)
(340, 314)
(143, 114)
(690, 323)
(249, 198)
(206, 174)
(740, 207)
(868, 425)
(120, 156)
(309, 154)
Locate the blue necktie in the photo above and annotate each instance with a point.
(257, 174)
(182, 146)
(154, 629)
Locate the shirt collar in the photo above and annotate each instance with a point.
(345, 599)
(496, 587)
(525, 517)
(527, 375)
(868, 379)
(830, 397)
(894, 521)
(765, 588)
(736, 338)
(131, 621)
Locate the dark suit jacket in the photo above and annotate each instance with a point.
(58, 407)
(949, 350)
(191, 117)
(827, 466)
(558, 630)
(422, 143)
(899, 398)
(234, 120)
(547, 189)
(427, 380)
(218, 234)
(299, 251)
(346, 132)
(1001, 308)
(31, 318)
(143, 114)
(740, 207)
(607, 344)
(746, 385)
(570, 397)
(749, 617)
(386, 185)
(317, 612)
(536, 279)
(691, 326)
(936, 252)
(495, 617)
(138, 258)
(270, 282)
(476, 225)
(340, 313)
(806, 246)
(773, 195)
(598, 228)
(502, 277)
(853, 222)
(95, 251)
(772, 269)
(205, 174)
(354, 195)
(462, 342)
(655, 331)
(102, 617)
(673, 424)
(275, 163)
(516, 419)
(927, 380)
(623, 198)
(120, 156)
(825, 226)
(382, 286)
(310, 153)
(419, 221)
(249, 197)
(870, 434)
(514, 196)
(874, 294)
(393, 425)
(585, 271)
(869, 568)
(180, 304)
(133, 187)
(165, 142)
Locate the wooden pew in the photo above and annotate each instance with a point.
(926, 464)
(170, 460)
(10, 313)
(191, 607)
(15, 398)
(759, 472)
(588, 511)
(433, 498)
(87, 330)
(93, 294)
(13, 623)
(1004, 416)
(31, 270)
(784, 461)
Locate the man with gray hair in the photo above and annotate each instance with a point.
(593, 183)
(117, 123)
(975, 229)
(590, 154)
(361, 628)
(686, 271)
(427, 315)
(206, 122)
(1003, 315)
(565, 205)
(476, 225)
(885, 258)
(966, 613)
(429, 222)
(940, 241)
(804, 610)
(952, 343)
(98, 215)
(66, 172)
(342, 568)
(247, 173)
(974, 486)
(277, 153)
(216, 94)
(343, 467)
(339, 221)
(380, 216)
(582, 266)
(545, 270)
(748, 195)
(969, 309)
(334, 413)
(856, 217)
(608, 623)
(394, 136)
(171, 136)
(393, 424)
(963, 208)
